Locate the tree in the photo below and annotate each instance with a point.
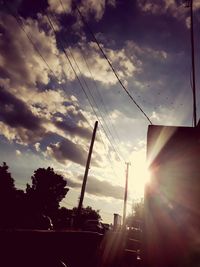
(64, 218)
(20, 208)
(47, 190)
(136, 218)
(7, 197)
(6, 181)
(139, 210)
(87, 214)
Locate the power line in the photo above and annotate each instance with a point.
(20, 23)
(110, 64)
(100, 97)
(33, 44)
(29, 37)
(107, 156)
(101, 115)
(81, 85)
(82, 55)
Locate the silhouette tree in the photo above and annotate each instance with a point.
(20, 208)
(7, 197)
(64, 218)
(87, 213)
(46, 192)
(90, 214)
(6, 181)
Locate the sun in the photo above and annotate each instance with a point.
(139, 175)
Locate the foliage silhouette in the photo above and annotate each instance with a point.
(46, 192)
(64, 218)
(39, 204)
(7, 197)
(6, 181)
(87, 214)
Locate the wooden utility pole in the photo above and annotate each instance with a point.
(125, 192)
(86, 170)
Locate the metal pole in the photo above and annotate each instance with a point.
(86, 170)
(193, 64)
(125, 193)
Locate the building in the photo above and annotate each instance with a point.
(172, 197)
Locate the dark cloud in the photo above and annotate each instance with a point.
(25, 8)
(97, 187)
(32, 8)
(13, 54)
(15, 113)
(74, 129)
(67, 150)
(101, 188)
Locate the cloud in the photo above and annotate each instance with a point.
(139, 51)
(159, 6)
(127, 61)
(56, 6)
(18, 152)
(37, 146)
(19, 58)
(87, 7)
(174, 8)
(164, 114)
(47, 103)
(155, 116)
(29, 120)
(27, 117)
(126, 66)
(66, 151)
(21, 135)
(17, 122)
(95, 7)
(104, 188)
(15, 113)
(72, 183)
(100, 188)
(74, 129)
(9, 132)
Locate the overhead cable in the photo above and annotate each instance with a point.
(81, 85)
(110, 64)
(87, 86)
(29, 37)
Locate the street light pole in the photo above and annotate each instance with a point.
(125, 192)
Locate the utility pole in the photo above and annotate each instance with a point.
(193, 64)
(86, 170)
(125, 192)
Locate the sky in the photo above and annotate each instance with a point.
(55, 83)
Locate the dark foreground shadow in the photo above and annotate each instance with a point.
(49, 248)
